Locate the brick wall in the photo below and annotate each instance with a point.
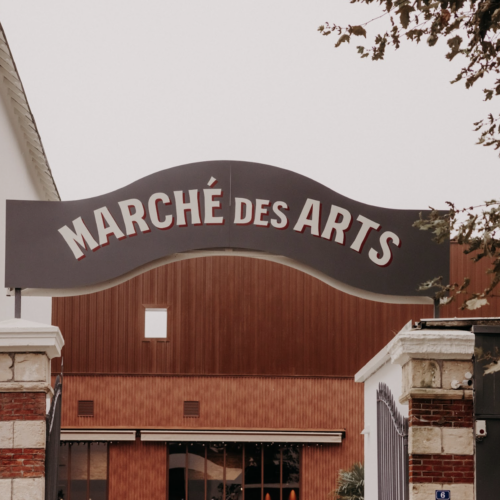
(442, 469)
(441, 450)
(441, 412)
(22, 406)
(22, 462)
(15, 407)
(22, 425)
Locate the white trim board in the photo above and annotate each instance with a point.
(334, 437)
(96, 435)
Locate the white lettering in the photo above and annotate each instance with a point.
(260, 210)
(137, 217)
(193, 206)
(313, 208)
(81, 237)
(154, 214)
(366, 226)
(386, 258)
(238, 211)
(102, 217)
(211, 205)
(283, 221)
(340, 227)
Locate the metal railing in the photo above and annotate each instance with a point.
(53, 421)
(392, 448)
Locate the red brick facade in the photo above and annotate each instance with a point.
(441, 412)
(22, 462)
(442, 468)
(22, 406)
(19, 462)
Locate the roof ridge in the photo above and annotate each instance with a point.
(34, 149)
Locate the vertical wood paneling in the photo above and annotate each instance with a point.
(234, 315)
(225, 402)
(137, 471)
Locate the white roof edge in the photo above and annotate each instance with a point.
(25, 120)
(379, 360)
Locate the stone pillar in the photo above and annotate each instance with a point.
(437, 367)
(26, 349)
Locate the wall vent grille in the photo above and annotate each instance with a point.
(85, 408)
(192, 409)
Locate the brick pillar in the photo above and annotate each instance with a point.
(441, 441)
(26, 349)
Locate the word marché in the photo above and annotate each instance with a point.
(259, 213)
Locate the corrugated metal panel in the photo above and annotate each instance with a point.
(227, 315)
(137, 402)
(462, 266)
(235, 315)
(320, 466)
(137, 471)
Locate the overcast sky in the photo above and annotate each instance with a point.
(121, 89)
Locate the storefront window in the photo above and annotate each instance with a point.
(78, 471)
(253, 471)
(272, 472)
(291, 473)
(196, 472)
(98, 471)
(215, 472)
(176, 472)
(234, 471)
(83, 471)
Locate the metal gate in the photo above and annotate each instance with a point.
(53, 434)
(392, 448)
(487, 409)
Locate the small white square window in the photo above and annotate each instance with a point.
(156, 324)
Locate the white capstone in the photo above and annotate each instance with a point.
(29, 434)
(7, 434)
(6, 373)
(424, 440)
(28, 488)
(5, 489)
(31, 367)
(20, 335)
(431, 344)
(457, 441)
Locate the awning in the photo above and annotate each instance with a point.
(242, 436)
(96, 435)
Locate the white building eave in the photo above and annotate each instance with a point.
(24, 121)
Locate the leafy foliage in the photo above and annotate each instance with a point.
(479, 232)
(351, 484)
(471, 29)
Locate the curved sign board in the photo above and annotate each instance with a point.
(64, 247)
